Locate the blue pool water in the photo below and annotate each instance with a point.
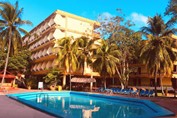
(86, 105)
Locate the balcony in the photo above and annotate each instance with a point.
(45, 58)
(146, 75)
(141, 75)
(50, 43)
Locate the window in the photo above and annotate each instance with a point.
(139, 70)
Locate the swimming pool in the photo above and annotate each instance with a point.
(85, 105)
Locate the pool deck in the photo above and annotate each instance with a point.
(12, 109)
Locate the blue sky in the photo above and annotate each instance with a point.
(136, 10)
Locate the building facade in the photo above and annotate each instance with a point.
(141, 77)
(61, 24)
(58, 25)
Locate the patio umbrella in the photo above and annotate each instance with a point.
(84, 80)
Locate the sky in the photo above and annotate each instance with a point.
(137, 11)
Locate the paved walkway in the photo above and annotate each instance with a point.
(12, 109)
(169, 103)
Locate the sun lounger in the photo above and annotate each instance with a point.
(147, 93)
(116, 90)
(143, 92)
(127, 91)
(101, 89)
(136, 92)
(110, 91)
(151, 93)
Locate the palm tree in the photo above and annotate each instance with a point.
(157, 53)
(106, 59)
(85, 50)
(10, 30)
(171, 10)
(67, 57)
(2, 44)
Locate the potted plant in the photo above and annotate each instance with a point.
(52, 79)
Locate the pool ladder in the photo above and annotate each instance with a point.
(42, 98)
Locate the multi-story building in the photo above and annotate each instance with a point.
(61, 24)
(141, 76)
(58, 25)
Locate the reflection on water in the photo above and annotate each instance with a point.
(84, 107)
(87, 113)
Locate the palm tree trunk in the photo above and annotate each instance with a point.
(122, 85)
(85, 66)
(91, 84)
(70, 81)
(161, 83)
(7, 58)
(155, 86)
(104, 83)
(64, 81)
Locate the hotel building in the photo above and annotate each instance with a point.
(61, 24)
(141, 76)
(58, 25)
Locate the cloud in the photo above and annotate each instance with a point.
(105, 15)
(138, 19)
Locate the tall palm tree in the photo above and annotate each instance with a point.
(10, 30)
(86, 47)
(106, 59)
(2, 44)
(171, 10)
(67, 57)
(157, 52)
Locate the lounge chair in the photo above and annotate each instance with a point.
(110, 91)
(134, 91)
(150, 93)
(143, 92)
(118, 90)
(101, 89)
(127, 91)
(122, 91)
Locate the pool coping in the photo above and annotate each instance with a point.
(158, 110)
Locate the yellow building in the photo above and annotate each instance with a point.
(141, 77)
(58, 25)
